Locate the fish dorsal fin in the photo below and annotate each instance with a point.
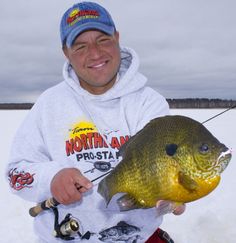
(187, 182)
(127, 202)
(123, 148)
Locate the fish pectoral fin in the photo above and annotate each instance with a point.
(127, 202)
(187, 182)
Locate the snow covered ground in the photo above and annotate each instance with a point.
(209, 220)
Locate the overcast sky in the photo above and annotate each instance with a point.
(187, 48)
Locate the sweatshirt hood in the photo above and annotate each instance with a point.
(128, 80)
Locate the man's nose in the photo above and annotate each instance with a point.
(94, 51)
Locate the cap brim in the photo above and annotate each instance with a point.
(88, 26)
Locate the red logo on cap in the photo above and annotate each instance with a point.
(77, 15)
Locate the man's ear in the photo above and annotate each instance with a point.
(65, 51)
(117, 36)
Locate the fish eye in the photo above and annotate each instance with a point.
(204, 148)
(171, 149)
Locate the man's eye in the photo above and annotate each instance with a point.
(79, 47)
(103, 40)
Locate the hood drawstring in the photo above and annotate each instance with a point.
(91, 117)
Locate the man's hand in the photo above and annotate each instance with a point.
(164, 207)
(68, 185)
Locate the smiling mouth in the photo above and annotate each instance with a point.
(98, 65)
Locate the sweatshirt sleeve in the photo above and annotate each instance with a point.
(30, 168)
(152, 105)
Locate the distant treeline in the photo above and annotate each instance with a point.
(174, 104)
(201, 103)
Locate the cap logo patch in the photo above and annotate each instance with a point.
(77, 15)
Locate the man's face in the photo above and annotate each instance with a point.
(95, 57)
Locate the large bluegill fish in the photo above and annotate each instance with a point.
(172, 158)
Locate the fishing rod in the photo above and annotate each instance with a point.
(230, 108)
(51, 203)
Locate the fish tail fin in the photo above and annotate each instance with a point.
(104, 189)
(127, 202)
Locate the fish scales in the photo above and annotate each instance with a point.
(172, 158)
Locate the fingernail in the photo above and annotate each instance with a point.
(89, 185)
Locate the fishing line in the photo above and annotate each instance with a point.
(230, 108)
(70, 226)
(51, 202)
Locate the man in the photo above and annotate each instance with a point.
(73, 133)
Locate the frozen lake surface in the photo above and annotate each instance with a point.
(211, 219)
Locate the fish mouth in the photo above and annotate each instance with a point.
(223, 159)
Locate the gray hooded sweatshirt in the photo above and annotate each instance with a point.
(70, 127)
